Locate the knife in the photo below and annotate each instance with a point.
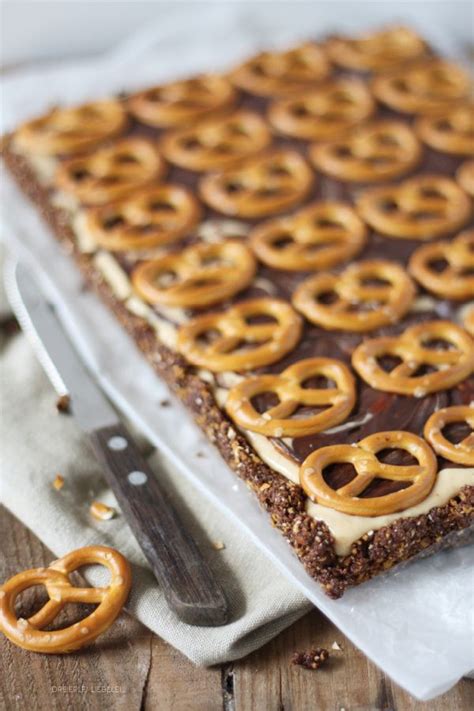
(185, 578)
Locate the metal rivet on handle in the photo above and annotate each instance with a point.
(137, 478)
(117, 443)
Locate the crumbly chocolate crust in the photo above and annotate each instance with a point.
(311, 540)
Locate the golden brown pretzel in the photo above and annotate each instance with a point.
(379, 151)
(456, 279)
(451, 131)
(282, 73)
(182, 102)
(147, 219)
(468, 318)
(263, 185)
(317, 237)
(462, 452)
(216, 143)
(438, 369)
(423, 207)
(378, 51)
(112, 172)
(366, 295)
(425, 88)
(323, 113)
(337, 401)
(240, 344)
(197, 276)
(420, 477)
(30, 633)
(465, 176)
(68, 131)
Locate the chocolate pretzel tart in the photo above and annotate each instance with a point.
(270, 287)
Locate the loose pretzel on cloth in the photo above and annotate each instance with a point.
(425, 88)
(67, 131)
(323, 113)
(182, 102)
(456, 279)
(30, 633)
(446, 367)
(263, 185)
(197, 276)
(317, 237)
(150, 218)
(465, 176)
(377, 51)
(282, 73)
(423, 207)
(337, 400)
(237, 344)
(112, 172)
(216, 143)
(379, 151)
(365, 296)
(420, 477)
(451, 131)
(460, 452)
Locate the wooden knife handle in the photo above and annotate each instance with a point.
(187, 582)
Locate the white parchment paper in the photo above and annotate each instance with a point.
(416, 624)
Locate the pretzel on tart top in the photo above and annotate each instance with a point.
(152, 218)
(451, 131)
(303, 408)
(281, 73)
(349, 498)
(381, 150)
(197, 276)
(248, 335)
(378, 51)
(446, 268)
(461, 452)
(182, 102)
(465, 176)
(426, 358)
(425, 88)
(317, 237)
(67, 131)
(111, 172)
(423, 207)
(323, 113)
(263, 185)
(216, 143)
(30, 633)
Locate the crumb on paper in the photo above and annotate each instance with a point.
(63, 403)
(336, 646)
(201, 455)
(310, 659)
(101, 511)
(165, 403)
(218, 545)
(58, 482)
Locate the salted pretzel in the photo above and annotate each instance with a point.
(365, 296)
(151, 218)
(419, 369)
(337, 401)
(264, 185)
(324, 112)
(282, 73)
(451, 131)
(456, 279)
(182, 102)
(216, 143)
(465, 176)
(66, 131)
(317, 237)
(377, 51)
(460, 452)
(423, 89)
(379, 151)
(348, 498)
(423, 207)
(234, 342)
(197, 276)
(112, 172)
(30, 633)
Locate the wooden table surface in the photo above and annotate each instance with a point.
(130, 668)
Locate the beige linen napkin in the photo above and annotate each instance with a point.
(37, 443)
